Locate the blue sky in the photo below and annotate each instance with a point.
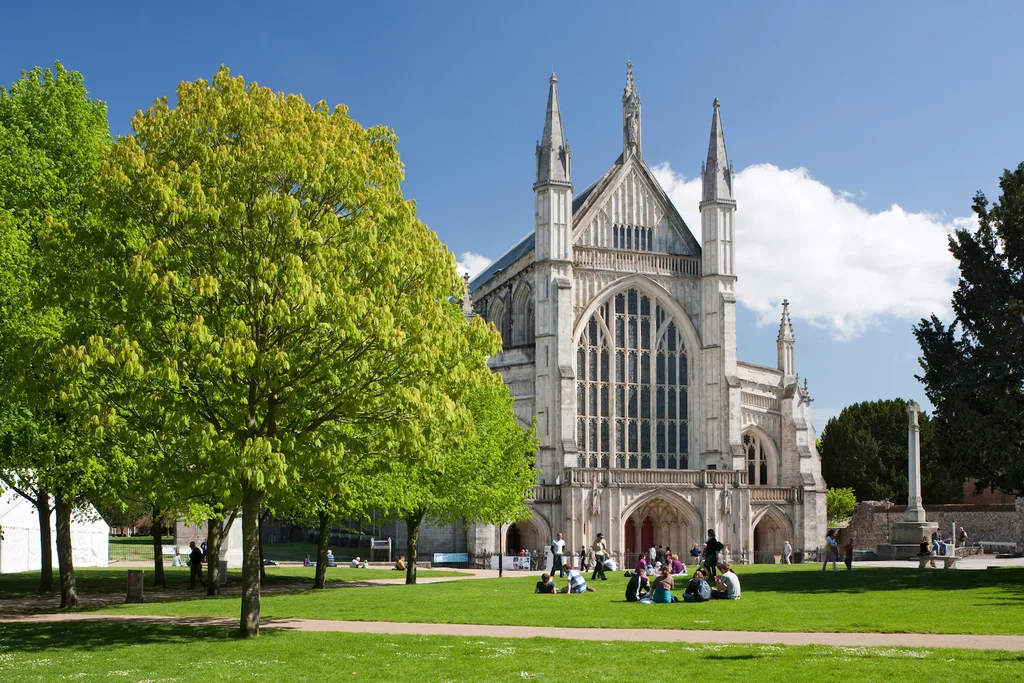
(909, 104)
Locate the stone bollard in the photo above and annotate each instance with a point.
(134, 585)
(222, 571)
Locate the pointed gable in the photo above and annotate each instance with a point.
(629, 196)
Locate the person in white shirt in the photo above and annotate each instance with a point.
(558, 556)
(787, 553)
(831, 550)
(651, 555)
(728, 584)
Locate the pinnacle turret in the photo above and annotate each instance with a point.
(717, 171)
(786, 343)
(553, 155)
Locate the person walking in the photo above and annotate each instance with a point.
(558, 556)
(831, 550)
(195, 566)
(787, 553)
(600, 555)
(711, 549)
(848, 555)
(583, 558)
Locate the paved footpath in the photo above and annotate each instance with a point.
(913, 640)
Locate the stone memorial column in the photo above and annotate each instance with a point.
(915, 509)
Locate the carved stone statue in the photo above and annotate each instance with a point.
(632, 128)
(595, 499)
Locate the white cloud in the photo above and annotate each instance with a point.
(841, 266)
(472, 264)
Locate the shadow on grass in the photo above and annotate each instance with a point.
(103, 635)
(877, 579)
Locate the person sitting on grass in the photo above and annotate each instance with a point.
(545, 585)
(639, 588)
(728, 584)
(330, 557)
(663, 586)
(575, 583)
(698, 589)
(306, 562)
(677, 567)
(400, 565)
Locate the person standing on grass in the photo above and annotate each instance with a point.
(848, 555)
(558, 556)
(600, 555)
(659, 556)
(831, 550)
(711, 549)
(695, 554)
(195, 565)
(787, 553)
(652, 555)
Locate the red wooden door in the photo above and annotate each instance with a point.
(647, 533)
(630, 536)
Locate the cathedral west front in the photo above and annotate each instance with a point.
(619, 333)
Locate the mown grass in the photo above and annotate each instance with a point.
(91, 581)
(139, 652)
(795, 598)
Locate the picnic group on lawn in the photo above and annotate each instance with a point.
(654, 578)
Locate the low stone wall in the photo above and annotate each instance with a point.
(871, 522)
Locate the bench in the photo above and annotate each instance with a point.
(947, 560)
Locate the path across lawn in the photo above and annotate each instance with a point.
(912, 640)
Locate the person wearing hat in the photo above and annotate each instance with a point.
(600, 555)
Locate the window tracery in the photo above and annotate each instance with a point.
(631, 389)
(757, 460)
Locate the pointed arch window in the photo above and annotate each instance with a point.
(632, 377)
(757, 460)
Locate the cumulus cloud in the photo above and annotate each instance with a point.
(472, 264)
(841, 266)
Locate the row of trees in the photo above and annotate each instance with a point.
(230, 311)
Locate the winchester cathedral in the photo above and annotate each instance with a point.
(619, 333)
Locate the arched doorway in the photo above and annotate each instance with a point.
(665, 520)
(770, 534)
(513, 540)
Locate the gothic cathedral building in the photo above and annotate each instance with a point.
(619, 332)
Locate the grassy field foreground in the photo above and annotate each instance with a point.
(134, 652)
(775, 598)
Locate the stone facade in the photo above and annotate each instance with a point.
(619, 334)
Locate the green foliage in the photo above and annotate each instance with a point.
(865, 448)
(974, 367)
(839, 505)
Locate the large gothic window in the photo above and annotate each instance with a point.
(757, 461)
(631, 388)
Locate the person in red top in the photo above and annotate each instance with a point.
(848, 554)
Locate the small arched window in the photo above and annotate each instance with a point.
(757, 460)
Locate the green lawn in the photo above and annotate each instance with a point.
(137, 652)
(113, 580)
(796, 598)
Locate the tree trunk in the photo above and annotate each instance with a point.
(65, 561)
(44, 511)
(214, 539)
(159, 580)
(259, 532)
(251, 499)
(412, 526)
(321, 551)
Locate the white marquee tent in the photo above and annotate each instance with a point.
(19, 548)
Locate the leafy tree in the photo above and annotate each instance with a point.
(51, 136)
(484, 479)
(974, 367)
(839, 505)
(865, 448)
(279, 291)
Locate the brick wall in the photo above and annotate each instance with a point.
(869, 525)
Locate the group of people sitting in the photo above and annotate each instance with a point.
(574, 582)
(642, 589)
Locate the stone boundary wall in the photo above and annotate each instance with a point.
(871, 519)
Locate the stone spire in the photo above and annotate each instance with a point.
(631, 131)
(717, 171)
(467, 298)
(786, 343)
(553, 154)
